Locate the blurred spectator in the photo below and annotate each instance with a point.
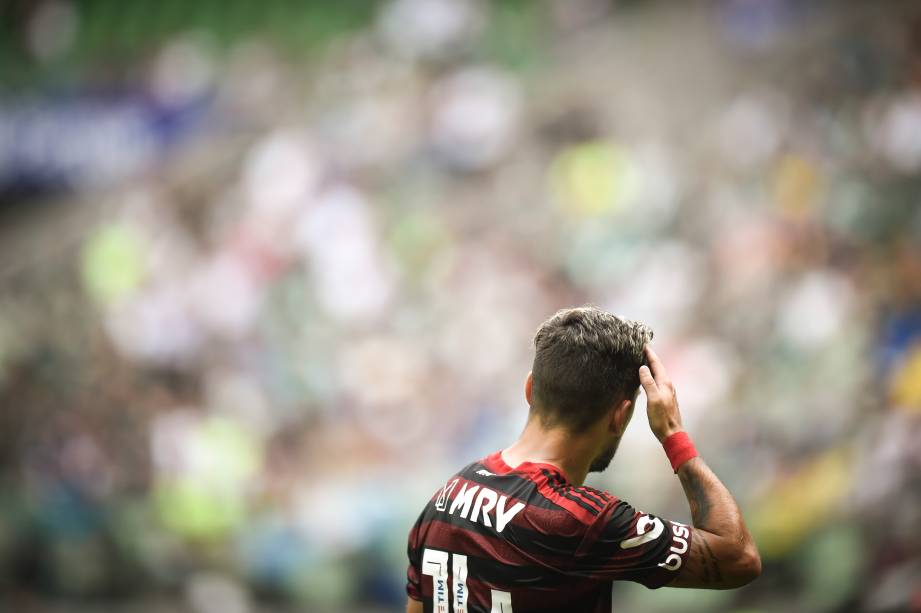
(258, 301)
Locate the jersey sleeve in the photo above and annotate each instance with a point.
(624, 544)
(413, 573)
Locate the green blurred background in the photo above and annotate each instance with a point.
(269, 273)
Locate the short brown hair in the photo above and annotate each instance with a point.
(585, 360)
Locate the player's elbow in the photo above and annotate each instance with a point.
(746, 567)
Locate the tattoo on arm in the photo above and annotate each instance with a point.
(712, 562)
(701, 506)
(703, 568)
(698, 497)
(720, 554)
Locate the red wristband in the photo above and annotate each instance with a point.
(679, 449)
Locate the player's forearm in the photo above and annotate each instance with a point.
(712, 506)
(722, 552)
(733, 554)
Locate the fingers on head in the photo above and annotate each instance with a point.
(647, 380)
(655, 365)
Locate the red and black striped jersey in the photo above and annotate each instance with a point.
(500, 539)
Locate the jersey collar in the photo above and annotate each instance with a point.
(496, 464)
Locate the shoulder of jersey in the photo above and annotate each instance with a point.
(583, 502)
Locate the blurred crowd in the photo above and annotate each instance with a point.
(256, 306)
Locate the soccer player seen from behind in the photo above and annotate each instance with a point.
(518, 531)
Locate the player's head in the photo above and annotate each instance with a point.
(585, 375)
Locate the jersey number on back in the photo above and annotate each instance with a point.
(435, 565)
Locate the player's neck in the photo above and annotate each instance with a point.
(571, 453)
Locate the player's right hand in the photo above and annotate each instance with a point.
(661, 399)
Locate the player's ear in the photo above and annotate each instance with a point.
(527, 388)
(620, 418)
